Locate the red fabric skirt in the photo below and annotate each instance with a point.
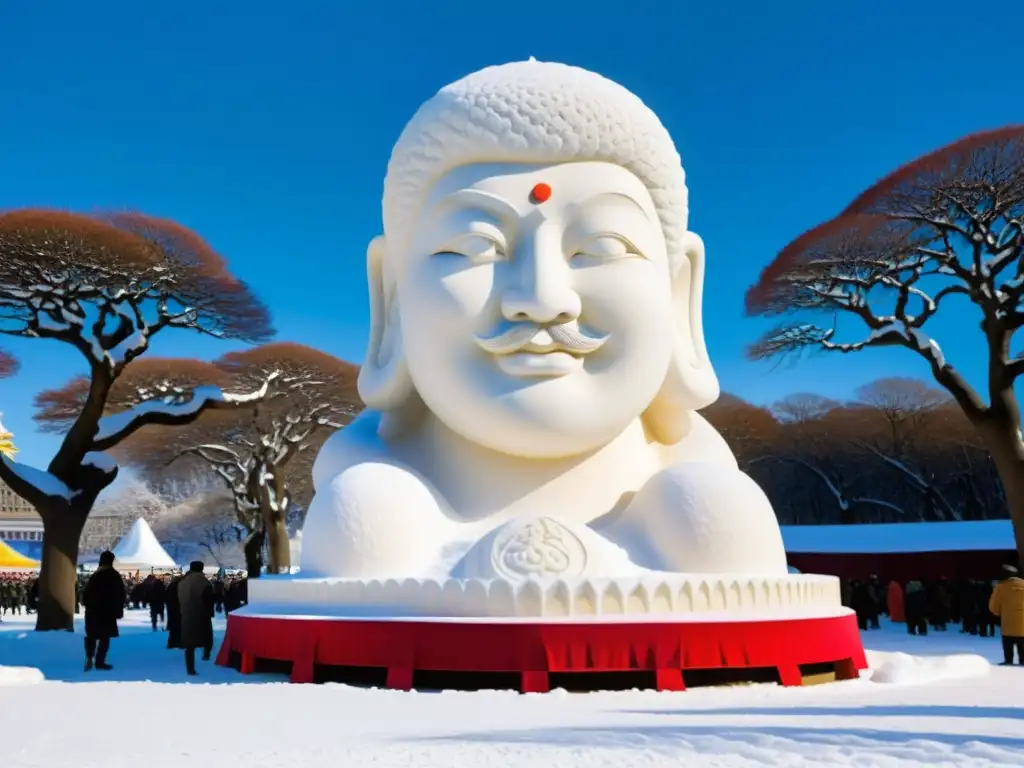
(536, 649)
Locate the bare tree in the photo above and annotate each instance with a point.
(897, 412)
(905, 405)
(105, 286)
(803, 408)
(220, 541)
(8, 365)
(750, 430)
(950, 224)
(263, 455)
(821, 433)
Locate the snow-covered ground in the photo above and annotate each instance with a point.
(940, 712)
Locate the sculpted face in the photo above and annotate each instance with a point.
(536, 305)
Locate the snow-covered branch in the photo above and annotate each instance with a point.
(833, 488)
(115, 428)
(30, 483)
(1015, 368)
(918, 481)
(236, 471)
(839, 493)
(872, 500)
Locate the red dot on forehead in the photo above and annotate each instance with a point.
(540, 193)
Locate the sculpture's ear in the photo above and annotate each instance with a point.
(384, 380)
(691, 383)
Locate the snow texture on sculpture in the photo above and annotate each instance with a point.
(535, 361)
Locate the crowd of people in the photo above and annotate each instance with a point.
(156, 591)
(181, 604)
(184, 605)
(975, 605)
(19, 592)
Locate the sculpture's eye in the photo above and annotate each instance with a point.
(605, 248)
(476, 247)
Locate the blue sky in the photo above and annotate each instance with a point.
(267, 128)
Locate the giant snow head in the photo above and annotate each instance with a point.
(536, 286)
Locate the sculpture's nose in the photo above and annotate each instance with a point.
(541, 291)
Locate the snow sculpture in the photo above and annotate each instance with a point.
(534, 371)
(531, 490)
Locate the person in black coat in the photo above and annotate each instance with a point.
(173, 614)
(986, 621)
(157, 598)
(103, 598)
(865, 604)
(195, 595)
(915, 608)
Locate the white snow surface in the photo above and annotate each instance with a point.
(20, 676)
(162, 718)
(904, 668)
(100, 460)
(140, 548)
(882, 538)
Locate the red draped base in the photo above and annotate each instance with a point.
(536, 650)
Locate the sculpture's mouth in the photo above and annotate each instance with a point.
(547, 365)
(530, 350)
(541, 340)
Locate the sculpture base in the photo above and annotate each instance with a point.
(668, 649)
(584, 598)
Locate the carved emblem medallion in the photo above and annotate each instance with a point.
(539, 547)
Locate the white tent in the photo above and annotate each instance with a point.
(140, 549)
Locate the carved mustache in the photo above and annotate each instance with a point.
(531, 338)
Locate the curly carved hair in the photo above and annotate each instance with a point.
(536, 112)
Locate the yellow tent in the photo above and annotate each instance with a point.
(7, 442)
(11, 558)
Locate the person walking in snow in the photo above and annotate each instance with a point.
(195, 594)
(103, 598)
(1007, 602)
(173, 613)
(157, 598)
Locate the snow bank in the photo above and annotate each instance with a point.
(20, 676)
(883, 538)
(904, 669)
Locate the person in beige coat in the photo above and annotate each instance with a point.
(1007, 602)
(195, 598)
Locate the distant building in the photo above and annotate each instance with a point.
(103, 529)
(20, 524)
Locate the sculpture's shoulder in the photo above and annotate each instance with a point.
(371, 515)
(357, 443)
(358, 451)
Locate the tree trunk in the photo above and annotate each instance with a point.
(277, 541)
(62, 530)
(1012, 473)
(1008, 456)
(253, 549)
